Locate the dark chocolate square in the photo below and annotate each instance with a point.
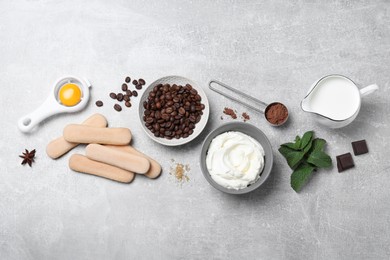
(344, 162)
(360, 147)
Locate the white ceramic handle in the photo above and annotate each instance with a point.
(27, 123)
(368, 90)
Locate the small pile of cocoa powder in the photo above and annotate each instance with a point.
(245, 116)
(230, 112)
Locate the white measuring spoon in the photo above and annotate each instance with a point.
(52, 104)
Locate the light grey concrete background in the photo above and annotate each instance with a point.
(274, 50)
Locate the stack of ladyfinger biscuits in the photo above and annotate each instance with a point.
(108, 153)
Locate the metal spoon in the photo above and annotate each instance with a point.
(262, 106)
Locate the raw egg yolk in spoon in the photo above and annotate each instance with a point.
(69, 95)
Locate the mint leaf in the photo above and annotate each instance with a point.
(306, 139)
(296, 145)
(319, 159)
(308, 147)
(293, 157)
(318, 144)
(301, 176)
(298, 141)
(293, 146)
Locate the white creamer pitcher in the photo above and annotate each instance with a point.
(335, 100)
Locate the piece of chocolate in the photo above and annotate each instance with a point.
(344, 162)
(360, 147)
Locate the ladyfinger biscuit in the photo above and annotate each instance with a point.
(95, 135)
(155, 167)
(60, 146)
(121, 159)
(80, 163)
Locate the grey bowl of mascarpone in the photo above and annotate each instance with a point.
(236, 158)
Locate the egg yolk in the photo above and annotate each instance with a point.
(69, 94)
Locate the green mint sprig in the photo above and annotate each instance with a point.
(304, 156)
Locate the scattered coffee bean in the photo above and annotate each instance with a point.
(117, 107)
(172, 111)
(112, 95)
(127, 93)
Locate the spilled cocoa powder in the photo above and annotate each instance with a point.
(245, 116)
(230, 112)
(233, 114)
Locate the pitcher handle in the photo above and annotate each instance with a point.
(368, 90)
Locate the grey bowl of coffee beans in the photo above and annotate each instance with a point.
(173, 110)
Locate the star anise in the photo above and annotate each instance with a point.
(28, 157)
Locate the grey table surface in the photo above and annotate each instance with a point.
(273, 50)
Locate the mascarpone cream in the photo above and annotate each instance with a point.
(235, 160)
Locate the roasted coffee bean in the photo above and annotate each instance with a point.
(139, 86)
(126, 98)
(157, 115)
(119, 97)
(182, 111)
(99, 103)
(135, 82)
(165, 116)
(149, 120)
(129, 93)
(128, 104)
(135, 93)
(127, 79)
(124, 86)
(141, 81)
(112, 95)
(118, 107)
(192, 118)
